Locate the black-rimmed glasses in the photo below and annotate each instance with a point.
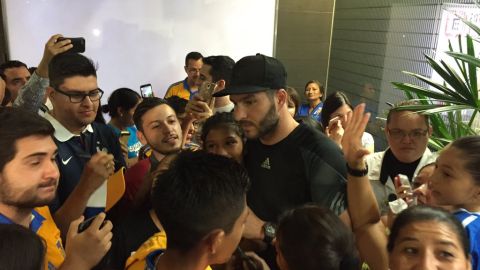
(76, 97)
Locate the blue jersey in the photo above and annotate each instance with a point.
(133, 144)
(43, 225)
(315, 114)
(74, 152)
(471, 222)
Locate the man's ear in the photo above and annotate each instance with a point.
(185, 68)
(141, 137)
(214, 241)
(282, 98)
(50, 93)
(430, 130)
(220, 85)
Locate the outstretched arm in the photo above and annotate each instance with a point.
(363, 208)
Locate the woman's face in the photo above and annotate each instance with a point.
(420, 185)
(312, 92)
(225, 142)
(428, 245)
(127, 116)
(342, 114)
(450, 183)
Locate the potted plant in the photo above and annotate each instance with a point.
(453, 104)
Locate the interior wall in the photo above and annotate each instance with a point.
(303, 39)
(373, 42)
(3, 40)
(142, 41)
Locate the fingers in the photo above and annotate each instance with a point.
(73, 228)
(97, 222)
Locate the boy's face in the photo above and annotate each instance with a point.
(231, 240)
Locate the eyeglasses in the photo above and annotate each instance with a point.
(93, 95)
(398, 134)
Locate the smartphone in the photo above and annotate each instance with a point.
(404, 180)
(146, 90)
(206, 91)
(78, 44)
(86, 223)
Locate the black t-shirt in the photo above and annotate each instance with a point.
(128, 235)
(304, 167)
(392, 167)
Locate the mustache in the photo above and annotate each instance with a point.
(242, 122)
(52, 182)
(171, 136)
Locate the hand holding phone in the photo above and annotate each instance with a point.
(206, 91)
(404, 189)
(86, 223)
(146, 90)
(78, 44)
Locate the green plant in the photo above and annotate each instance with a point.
(453, 104)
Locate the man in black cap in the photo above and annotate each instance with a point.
(289, 164)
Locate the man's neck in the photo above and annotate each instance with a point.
(158, 156)
(174, 260)
(192, 85)
(73, 129)
(21, 216)
(286, 124)
(222, 101)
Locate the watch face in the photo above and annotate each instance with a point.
(269, 230)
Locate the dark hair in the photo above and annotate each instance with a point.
(177, 103)
(200, 192)
(221, 120)
(422, 213)
(405, 103)
(320, 87)
(146, 105)
(194, 56)
(311, 122)
(66, 65)
(334, 101)
(10, 64)
(312, 237)
(32, 69)
(21, 248)
(124, 98)
(222, 67)
(99, 117)
(294, 97)
(470, 148)
(15, 124)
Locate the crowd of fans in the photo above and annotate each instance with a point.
(246, 178)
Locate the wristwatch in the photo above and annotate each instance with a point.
(357, 173)
(269, 232)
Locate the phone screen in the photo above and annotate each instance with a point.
(146, 90)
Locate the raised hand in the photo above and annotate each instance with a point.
(352, 138)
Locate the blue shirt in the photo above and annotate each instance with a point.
(74, 152)
(315, 114)
(471, 222)
(133, 144)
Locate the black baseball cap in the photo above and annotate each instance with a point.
(255, 73)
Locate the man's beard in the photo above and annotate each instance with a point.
(27, 201)
(269, 123)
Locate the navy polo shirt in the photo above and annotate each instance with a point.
(74, 151)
